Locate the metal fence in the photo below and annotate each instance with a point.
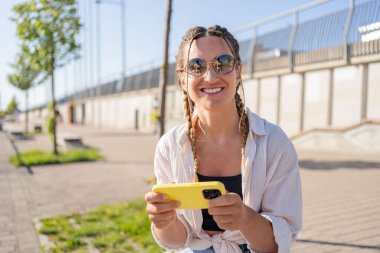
(339, 36)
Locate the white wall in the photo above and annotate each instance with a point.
(373, 104)
(251, 94)
(316, 99)
(119, 111)
(290, 103)
(268, 99)
(347, 96)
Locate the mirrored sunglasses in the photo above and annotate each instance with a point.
(222, 64)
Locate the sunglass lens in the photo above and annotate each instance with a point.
(224, 64)
(197, 66)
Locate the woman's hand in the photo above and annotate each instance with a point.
(160, 212)
(228, 211)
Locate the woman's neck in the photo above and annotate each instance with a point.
(218, 124)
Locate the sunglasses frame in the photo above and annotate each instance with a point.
(235, 62)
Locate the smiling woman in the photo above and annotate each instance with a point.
(223, 141)
(210, 86)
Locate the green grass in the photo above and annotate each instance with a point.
(39, 157)
(30, 134)
(109, 228)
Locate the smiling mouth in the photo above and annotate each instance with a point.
(211, 91)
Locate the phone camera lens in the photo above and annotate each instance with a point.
(211, 194)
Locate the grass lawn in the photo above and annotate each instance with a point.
(39, 157)
(108, 229)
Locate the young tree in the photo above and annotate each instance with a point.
(23, 78)
(165, 68)
(49, 29)
(12, 106)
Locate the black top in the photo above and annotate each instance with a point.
(232, 184)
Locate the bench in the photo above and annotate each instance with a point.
(17, 135)
(69, 141)
(38, 129)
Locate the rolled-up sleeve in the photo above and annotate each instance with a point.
(282, 199)
(164, 175)
(188, 235)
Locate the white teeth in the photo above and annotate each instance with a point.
(211, 91)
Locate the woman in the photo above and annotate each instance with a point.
(224, 141)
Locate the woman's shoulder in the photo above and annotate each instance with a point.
(173, 135)
(271, 131)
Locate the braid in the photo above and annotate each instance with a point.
(189, 37)
(243, 126)
(190, 130)
(243, 122)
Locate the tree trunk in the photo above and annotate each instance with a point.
(164, 69)
(26, 112)
(55, 149)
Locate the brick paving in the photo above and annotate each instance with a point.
(17, 232)
(341, 210)
(341, 195)
(56, 189)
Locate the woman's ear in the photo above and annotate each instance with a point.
(181, 78)
(238, 72)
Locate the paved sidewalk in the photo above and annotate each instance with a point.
(16, 228)
(341, 195)
(56, 189)
(341, 207)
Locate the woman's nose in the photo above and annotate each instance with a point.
(210, 74)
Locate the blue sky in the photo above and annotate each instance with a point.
(145, 24)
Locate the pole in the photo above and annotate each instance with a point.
(123, 41)
(84, 42)
(98, 44)
(164, 69)
(91, 43)
(98, 93)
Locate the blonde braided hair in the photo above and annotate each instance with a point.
(191, 35)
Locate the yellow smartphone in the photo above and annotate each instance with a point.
(192, 195)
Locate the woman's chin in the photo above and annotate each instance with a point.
(212, 105)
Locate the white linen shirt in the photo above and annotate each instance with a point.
(271, 186)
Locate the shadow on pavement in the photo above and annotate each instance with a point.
(328, 165)
(360, 246)
(117, 134)
(131, 163)
(12, 141)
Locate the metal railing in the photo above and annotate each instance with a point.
(338, 36)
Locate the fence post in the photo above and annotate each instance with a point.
(331, 97)
(363, 113)
(302, 102)
(347, 30)
(291, 41)
(251, 53)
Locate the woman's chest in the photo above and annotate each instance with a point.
(219, 160)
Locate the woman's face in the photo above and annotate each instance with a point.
(211, 90)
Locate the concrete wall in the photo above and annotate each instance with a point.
(373, 104)
(316, 99)
(347, 96)
(132, 110)
(121, 111)
(268, 91)
(251, 94)
(290, 103)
